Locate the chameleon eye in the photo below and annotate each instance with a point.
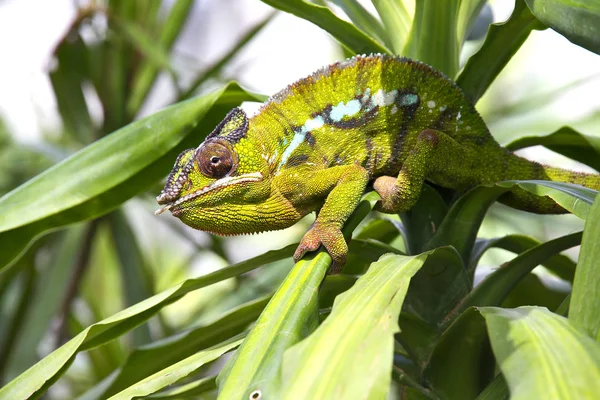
(215, 160)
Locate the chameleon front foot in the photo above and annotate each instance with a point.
(333, 241)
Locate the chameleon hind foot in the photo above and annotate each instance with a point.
(401, 193)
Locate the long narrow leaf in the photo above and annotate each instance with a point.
(352, 38)
(397, 22)
(364, 21)
(105, 174)
(501, 43)
(566, 141)
(353, 348)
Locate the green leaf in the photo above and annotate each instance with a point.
(501, 43)
(497, 285)
(578, 21)
(573, 198)
(397, 22)
(542, 355)
(566, 141)
(348, 35)
(465, 347)
(433, 37)
(177, 371)
(67, 78)
(147, 72)
(559, 264)
(585, 300)
(291, 315)
(36, 379)
(149, 359)
(353, 348)
(364, 20)
(468, 12)
(108, 172)
(496, 390)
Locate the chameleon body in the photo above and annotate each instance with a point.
(316, 145)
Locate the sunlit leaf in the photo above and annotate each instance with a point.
(585, 299)
(397, 22)
(542, 355)
(578, 21)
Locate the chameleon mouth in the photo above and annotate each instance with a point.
(221, 183)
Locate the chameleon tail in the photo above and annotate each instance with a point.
(520, 168)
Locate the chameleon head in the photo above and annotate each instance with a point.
(212, 186)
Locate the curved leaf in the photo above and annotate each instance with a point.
(501, 43)
(566, 141)
(578, 21)
(542, 355)
(496, 286)
(348, 35)
(559, 264)
(397, 22)
(585, 299)
(357, 337)
(108, 172)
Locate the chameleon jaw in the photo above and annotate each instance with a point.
(221, 183)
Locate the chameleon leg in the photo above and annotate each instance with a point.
(401, 193)
(344, 195)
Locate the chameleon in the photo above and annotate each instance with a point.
(377, 121)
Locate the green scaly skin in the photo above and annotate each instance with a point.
(317, 144)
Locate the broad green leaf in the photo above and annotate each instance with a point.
(585, 300)
(397, 21)
(559, 264)
(496, 286)
(432, 38)
(148, 71)
(364, 20)
(501, 43)
(542, 355)
(177, 371)
(353, 348)
(149, 359)
(362, 253)
(291, 315)
(344, 32)
(541, 290)
(578, 21)
(566, 141)
(417, 337)
(108, 172)
(461, 364)
(35, 380)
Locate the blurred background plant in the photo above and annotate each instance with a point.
(116, 62)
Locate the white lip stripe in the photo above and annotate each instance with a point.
(228, 180)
